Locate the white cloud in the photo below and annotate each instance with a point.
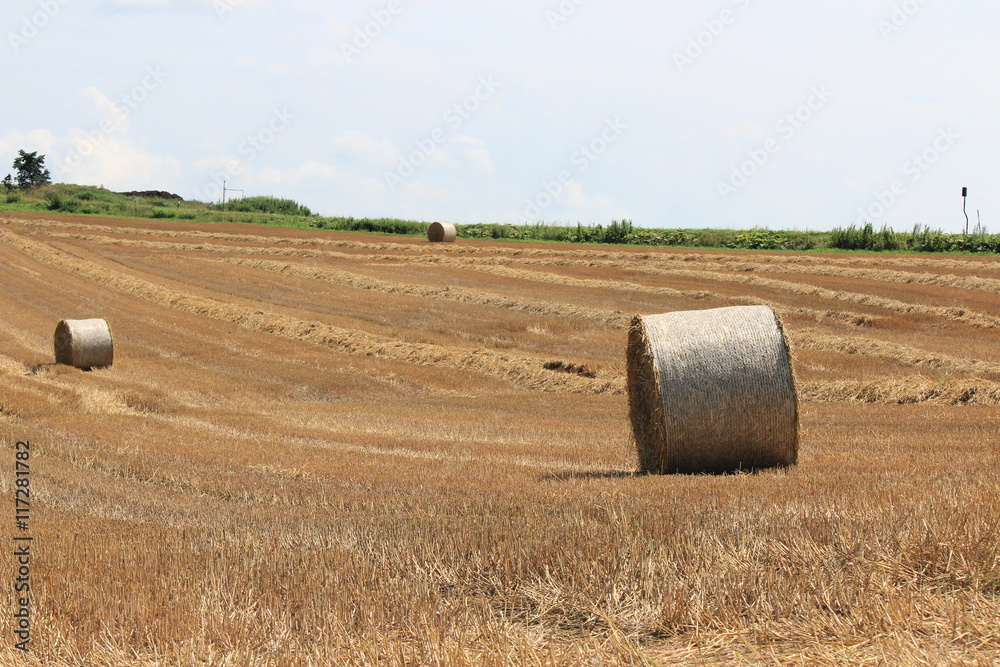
(744, 131)
(100, 155)
(310, 169)
(96, 158)
(416, 189)
(474, 152)
(107, 109)
(352, 45)
(371, 187)
(573, 204)
(143, 3)
(410, 63)
(172, 4)
(40, 141)
(366, 149)
(117, 163)
(270, 175)
(323, 57)
(574, 198)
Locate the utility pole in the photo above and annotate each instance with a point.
(224, 190)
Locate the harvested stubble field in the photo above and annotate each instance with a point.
(320, 448)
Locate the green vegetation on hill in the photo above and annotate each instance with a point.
(89, 200)
(268, 205)
(921, 239)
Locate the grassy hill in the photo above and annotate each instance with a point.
(90, 200)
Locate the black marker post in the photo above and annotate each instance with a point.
(965, 193)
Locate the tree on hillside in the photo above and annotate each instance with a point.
(31, 169)
(8, 183)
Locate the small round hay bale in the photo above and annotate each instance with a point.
(441, 232)
(712, 391)
(85, 344)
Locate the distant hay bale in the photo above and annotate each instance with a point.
(712, 391)
(84, 343)
(441, 232)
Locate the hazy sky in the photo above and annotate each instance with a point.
(732, 113)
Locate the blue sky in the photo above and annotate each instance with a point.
(734, 113)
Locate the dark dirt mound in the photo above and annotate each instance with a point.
(567, 367)
(152, 194)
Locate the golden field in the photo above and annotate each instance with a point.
(324, 448)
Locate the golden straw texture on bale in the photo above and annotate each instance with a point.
(712, 391)
(84, 343)
(441, 232)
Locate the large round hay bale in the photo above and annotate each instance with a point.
(441, 232)
(712, 391)
(84, 343)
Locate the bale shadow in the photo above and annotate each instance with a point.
(635, 474)
(594, 474)
(58, 368)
